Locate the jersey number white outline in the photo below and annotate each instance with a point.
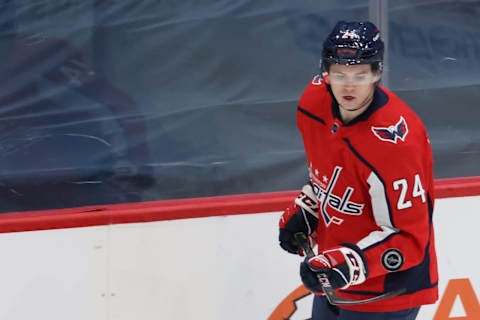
(417, 191)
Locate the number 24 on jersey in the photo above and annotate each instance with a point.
(404, 201)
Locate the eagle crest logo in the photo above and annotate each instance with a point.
(392, 133)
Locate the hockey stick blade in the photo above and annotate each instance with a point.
(330, 293)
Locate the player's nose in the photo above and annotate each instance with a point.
(348, 89)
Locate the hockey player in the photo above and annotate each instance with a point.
(369, 201)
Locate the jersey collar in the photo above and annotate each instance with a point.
(380, 99)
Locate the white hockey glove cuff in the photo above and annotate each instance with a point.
(344, 265)
(307, 200)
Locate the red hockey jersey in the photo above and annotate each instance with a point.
(374, 183)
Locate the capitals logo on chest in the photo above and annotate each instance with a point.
(328, 200)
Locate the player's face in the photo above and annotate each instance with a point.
(352, 86)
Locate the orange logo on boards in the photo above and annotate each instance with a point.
(288, 306)
(464, 290)
(461, 288)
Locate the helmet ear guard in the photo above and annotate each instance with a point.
(324, 72)
(325, 78)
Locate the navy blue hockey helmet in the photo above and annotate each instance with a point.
(352, 43)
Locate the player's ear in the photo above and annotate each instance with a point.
(377, 69)
(377, 76)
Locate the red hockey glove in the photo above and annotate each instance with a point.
(344, 266)
(302, 216)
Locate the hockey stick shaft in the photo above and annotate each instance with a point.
(330, 294)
